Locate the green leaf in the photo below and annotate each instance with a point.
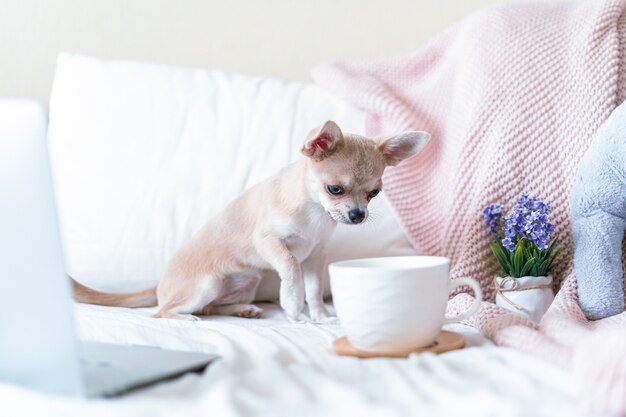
(551, 248)
(528, 253)
(541, 257)
(551, 260)
(543, 268)
(518, 261)
(556, 254)
(536, 253)
(501, 257)
(527, 267)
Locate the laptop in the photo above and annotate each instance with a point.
(38, 344)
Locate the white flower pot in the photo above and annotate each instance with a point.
(529, 296)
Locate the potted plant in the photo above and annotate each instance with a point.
(522, 248)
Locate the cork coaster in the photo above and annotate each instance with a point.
(445, 342)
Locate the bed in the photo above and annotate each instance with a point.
(142, 154)
(270, 367)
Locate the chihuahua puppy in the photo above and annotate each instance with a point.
(282, 224)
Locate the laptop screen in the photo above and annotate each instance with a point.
(37, 344)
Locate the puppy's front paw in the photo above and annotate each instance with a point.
(325, 320)
(293, 310)
(300, 319)
(321, 316)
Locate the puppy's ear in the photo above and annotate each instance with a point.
(400, 147)
(322, 142)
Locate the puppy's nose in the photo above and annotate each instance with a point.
(356, 216)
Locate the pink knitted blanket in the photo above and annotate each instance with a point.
(512, 96)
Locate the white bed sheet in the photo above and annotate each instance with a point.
(271, 367)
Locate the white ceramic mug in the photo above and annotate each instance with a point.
(395, 304)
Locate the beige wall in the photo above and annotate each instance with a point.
(279, 38)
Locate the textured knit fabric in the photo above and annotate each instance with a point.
(512, 96)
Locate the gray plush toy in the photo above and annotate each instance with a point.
(599, 219)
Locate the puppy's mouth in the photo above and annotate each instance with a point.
(339, 217)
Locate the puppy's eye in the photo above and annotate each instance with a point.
(373, 193)
(335, 189)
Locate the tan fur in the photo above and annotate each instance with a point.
(145, 298)
(281, 223)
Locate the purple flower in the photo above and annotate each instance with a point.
(491, 216)
(529, 221)
(509, 244)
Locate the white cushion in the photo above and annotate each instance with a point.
(144, 154)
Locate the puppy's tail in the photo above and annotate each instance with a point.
(145, 298)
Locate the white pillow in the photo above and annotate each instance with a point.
(144, 154)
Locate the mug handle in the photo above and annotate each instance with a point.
(478, 295)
